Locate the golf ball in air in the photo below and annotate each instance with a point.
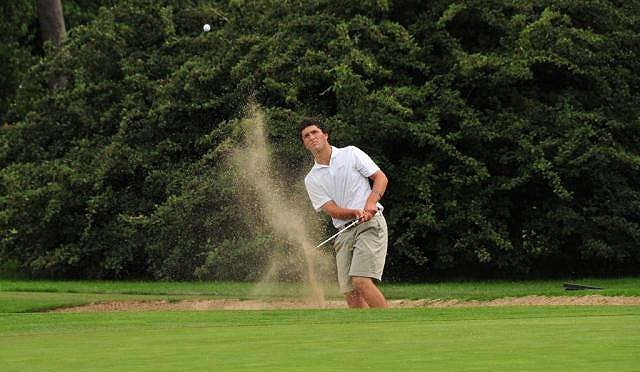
(206, 27)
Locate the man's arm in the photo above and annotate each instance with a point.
(380, 182)
(378, 188)
(332, 209)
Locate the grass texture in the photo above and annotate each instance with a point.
(535, 338)
(579, 338)
(33, 295)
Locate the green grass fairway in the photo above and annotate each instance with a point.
(579, 338)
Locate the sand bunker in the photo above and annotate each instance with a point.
(232, 304)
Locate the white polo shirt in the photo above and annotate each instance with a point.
(345, 180)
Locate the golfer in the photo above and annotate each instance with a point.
(339, 185)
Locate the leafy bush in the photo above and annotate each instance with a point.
(509, 131)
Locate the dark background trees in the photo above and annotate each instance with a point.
(510, 132)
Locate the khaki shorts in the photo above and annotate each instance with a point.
(361, 251)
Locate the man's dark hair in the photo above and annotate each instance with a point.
(307, 122)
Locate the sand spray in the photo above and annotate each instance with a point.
(283, 210)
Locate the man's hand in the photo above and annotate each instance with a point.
(364, 215)
(371, 208)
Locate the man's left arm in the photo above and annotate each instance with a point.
(378, 188)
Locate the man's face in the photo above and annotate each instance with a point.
(313, 138)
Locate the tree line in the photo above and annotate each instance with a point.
(509, 130)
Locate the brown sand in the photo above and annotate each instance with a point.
(284, 210)
(234, 304)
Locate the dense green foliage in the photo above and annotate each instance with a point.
(510, 131)
(20, 42)
(15, 52)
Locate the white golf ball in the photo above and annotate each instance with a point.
(206, 27)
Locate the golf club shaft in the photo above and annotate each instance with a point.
(355, 222)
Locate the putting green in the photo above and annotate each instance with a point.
(562, 338)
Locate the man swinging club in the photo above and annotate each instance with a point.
(339, 185)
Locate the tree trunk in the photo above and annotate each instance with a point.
(51, 21)
(52, 29)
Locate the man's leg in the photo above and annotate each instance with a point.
(355, 299)
(355, 278)
(368, 291)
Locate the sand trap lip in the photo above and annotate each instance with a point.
(236, 304)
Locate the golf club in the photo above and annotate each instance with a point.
(350, 225)
(353, 223)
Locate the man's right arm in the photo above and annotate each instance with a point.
(332, 209)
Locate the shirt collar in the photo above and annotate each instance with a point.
(333, 156)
